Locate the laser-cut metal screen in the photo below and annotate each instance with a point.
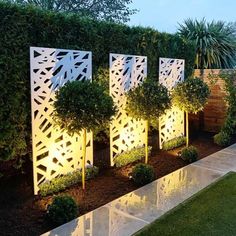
(126, 72)
(171, 125)
(54, 151)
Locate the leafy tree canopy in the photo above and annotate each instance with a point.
(148, 101)
(82, 105)
(109, 10)
(215, 43)
(191, 95)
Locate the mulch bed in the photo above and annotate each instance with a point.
(24, 214)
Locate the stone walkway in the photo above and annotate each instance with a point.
(131, 212)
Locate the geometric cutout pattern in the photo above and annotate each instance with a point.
(171, 125)
(126, 73)
(171, 72)
(55, 152)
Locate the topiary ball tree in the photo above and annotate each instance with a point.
(190, 96)
(148, 102)
(82, 106)
(62, 210)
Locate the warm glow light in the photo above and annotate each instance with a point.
(126, 72)
(54, 151)
(171, 125)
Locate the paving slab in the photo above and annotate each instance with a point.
(153, 200)
(223, 161)
(103, 221)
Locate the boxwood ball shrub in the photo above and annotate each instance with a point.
(136, 154)
(143, 174)
(62, 210)
(222, 139)
(189, 154)
(81, 106)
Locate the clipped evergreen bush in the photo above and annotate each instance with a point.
(190, 96)
(27, 26)
(174, 143)
(189, 154)
(143, 174)
(222, 139)
(80, 107)
(62, 182)
(136, 154)
(148, 101)
(62, 210)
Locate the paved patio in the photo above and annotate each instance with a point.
(131, 212)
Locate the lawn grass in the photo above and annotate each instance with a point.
(212, 211)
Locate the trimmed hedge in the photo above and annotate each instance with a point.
(25, 26)
(174, 143)
(62, 182)
(135, 154)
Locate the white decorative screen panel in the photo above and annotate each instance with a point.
(55, 152)
(126, 72)
(171, 125)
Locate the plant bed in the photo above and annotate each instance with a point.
(24, 214)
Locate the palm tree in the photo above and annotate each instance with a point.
(215, 43)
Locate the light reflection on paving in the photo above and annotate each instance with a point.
(103, 221)
(126, 215)
(152, 200)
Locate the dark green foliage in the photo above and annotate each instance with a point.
(82, 105)
(110, 10)
(189, 154)
(62, 210)
(148, 101)
(222, 139)
(143, 174)
(173, 143)
(229, 127)
(101, 133)
(230, 88)
(62, 182)
(133, 155)
(215, 43)
(191, 95)
(23, 27)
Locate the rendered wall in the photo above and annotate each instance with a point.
(171, 125)
(126, 72)
(54, 151)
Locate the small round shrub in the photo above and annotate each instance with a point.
(62, 210)
(143, 174)
(189, 154)
(222, 139)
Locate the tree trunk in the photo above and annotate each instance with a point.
(84, 158)
(187, 130)
(146, 143)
